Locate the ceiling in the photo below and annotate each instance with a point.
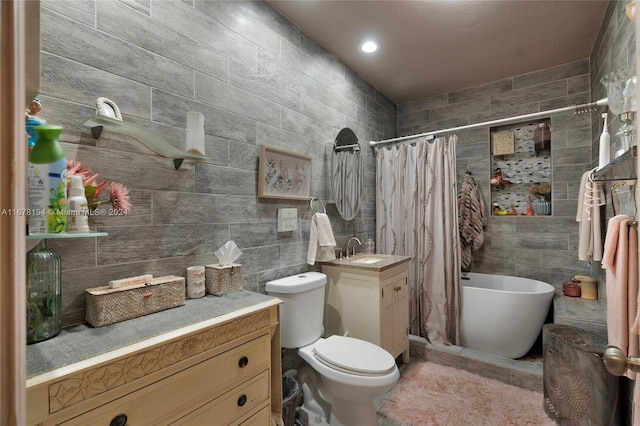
(432, 47)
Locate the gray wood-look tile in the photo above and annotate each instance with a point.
(221, 95)
(173, 110)
(481, 91)
(540, 92)
(198, 26)
(560, 72)
(225, 180)
(80, 10)
(97, 49)
(301, 60)
(200, 209)
(229, 15)
(261, 234)
(288, 140)
(303, 125)
(134, 244)
(160, 39)
(263, 84)
(421, 105)
(72, 81)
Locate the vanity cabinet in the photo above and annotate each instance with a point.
(224, 371)
(370, 303)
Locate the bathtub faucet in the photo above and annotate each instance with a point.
(354, 249)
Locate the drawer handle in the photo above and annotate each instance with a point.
(242, 400)
(243, 362)
(119, 420)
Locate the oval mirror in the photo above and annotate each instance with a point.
(347, 174)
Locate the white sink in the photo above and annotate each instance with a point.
(367, 260)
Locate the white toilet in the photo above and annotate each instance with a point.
(342, 375)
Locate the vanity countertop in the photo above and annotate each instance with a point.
(386, 261)
(82, 342)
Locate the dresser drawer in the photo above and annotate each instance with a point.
(261, 418)
(234, 406)
(166, 400)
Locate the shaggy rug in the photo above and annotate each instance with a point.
(433, 394)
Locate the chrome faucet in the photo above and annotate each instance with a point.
(354, 249)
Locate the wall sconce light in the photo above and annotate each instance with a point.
(108, 117)
(195, 133)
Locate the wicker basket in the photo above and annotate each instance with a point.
(221, 280)
(106, 305)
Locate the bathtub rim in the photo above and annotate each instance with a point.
(545, 287)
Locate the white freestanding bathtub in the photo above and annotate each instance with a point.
(502, 315)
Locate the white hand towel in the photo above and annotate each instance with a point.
(590, 198)
(321, 241)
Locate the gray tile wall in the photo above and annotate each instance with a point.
(540, 247)
(543, 247)
(256, 78)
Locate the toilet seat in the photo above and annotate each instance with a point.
(354, 356)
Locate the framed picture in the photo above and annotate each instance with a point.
(283, 174)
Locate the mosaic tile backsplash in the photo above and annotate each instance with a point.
(523, 168)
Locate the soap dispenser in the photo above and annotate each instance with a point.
(77, 208)
(369, 246)
(605, 145)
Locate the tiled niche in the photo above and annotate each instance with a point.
(521, 171)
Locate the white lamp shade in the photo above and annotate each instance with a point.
(195, 132)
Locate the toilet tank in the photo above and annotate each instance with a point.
(303, 308)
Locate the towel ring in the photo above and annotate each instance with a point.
(324, 209)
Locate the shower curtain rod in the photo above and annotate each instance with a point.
(577, 109)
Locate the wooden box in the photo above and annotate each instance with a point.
(106, 305)
(220, 280)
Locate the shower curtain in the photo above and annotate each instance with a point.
(417, 215)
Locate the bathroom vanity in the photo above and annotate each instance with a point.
(215, 360)
(367, 298)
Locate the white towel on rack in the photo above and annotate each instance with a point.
(590, 198)
(322, 244)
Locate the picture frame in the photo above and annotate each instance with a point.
(283, 174)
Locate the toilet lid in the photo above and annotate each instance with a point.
(354, 356)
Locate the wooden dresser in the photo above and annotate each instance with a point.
(224, 370)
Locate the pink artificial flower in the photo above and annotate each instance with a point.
(100, 187)
(77, 168)
(90, 180)
(119, 195)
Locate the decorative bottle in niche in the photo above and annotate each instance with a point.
(44, 294)
(47, 182)
(542, 137)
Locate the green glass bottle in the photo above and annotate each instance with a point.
(44, 293)
(47, 183)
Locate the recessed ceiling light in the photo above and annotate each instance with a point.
(369, 46)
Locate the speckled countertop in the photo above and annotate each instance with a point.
(81, 342)
(388, 261)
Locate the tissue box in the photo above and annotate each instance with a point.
(220, 280)
(106, 305)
